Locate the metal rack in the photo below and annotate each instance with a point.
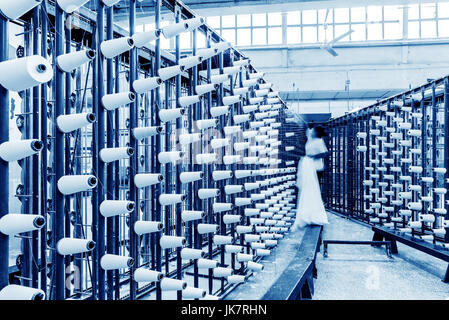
(115, 252)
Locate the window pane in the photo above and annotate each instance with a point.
(413, 11)
(325, 34)
(428, 11)
(229, 35)
(260, 36)
(443, 10)
(293, 35)
(243, 20)
(275, 35)
(341, 14)
(392, 13)
(200, 40)
(413, 30)
(322, 16)
(359, 33)
(358, 14)
(392, 30)
(309, 35)
(228, 21)
(293, 17)
(165, 43)
(428, 29)
(243, 37)
(259, 19)
(213, 22)
(275, 19)
(341, 30)
(375, 31)
(375, 13)
(309, 17)
(150, 26)
(443, 28)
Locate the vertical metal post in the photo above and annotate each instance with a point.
(58, 228)
(110, 246)
(157, 122)
(100, 137)
(446, 148)
(117, 179)
(4, 167)
(43, 168)
(133, 144)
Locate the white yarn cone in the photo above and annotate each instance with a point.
(70, 246)
(189, 253)
(17, 292)
(24, 73)
(174, 29)
(144, 132)
(115, 47)
(222, 46)
(142, 39)
(204, 228)
(240, 146)
(241, 118)
(219, 78)
(208, 193)
(188, 138)
(229, 100)
(191, 215)
(236, 279)
(227, 160)
(114, 154)
(219, 111)
(15, 9)
(207, 53)
(144, 227)
(251, 237)
(207, 263)
(70, 61)
(222, 206)
(231, 218)
(241, 91)
(228, 130)
(255, 266)
(256, 124)
(187, 177)
(168, 199)
(15, 223)
(262, 252)
(244, 229)
(256, 75)
(222, 272)
(168, 284)
(143, 274)
(113, 262)
(222, 174)
(169, 156)
(250, 108)
(261, 93)
(267, 85)
(194, 23)
(142, 180)
(144, 85)
(167, 242)
(166, 115)
(273, 100)
(232, 70)
(255, 100)
(205, 88)
(71, 122)
(112, 208)
(243, 257)
(239, 174)
(188, 100)
(71, 5)
(242, 201)
(110, 3)
(190, 62)
(193, 293)
(71, 184)
(230, 248)
(114, 100)
(206, 123)
(251, 186)
(18, 149)
(249, 212)
(219, 143)
(242, 62)
(205, 158)
(169, 72)
(220, 240)
(249, 82)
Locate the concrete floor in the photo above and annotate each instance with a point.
(355, 272)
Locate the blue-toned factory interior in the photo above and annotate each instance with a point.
(224, 150)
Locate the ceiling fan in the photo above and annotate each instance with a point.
(328, 45)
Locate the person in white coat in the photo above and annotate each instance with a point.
(310, 208)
